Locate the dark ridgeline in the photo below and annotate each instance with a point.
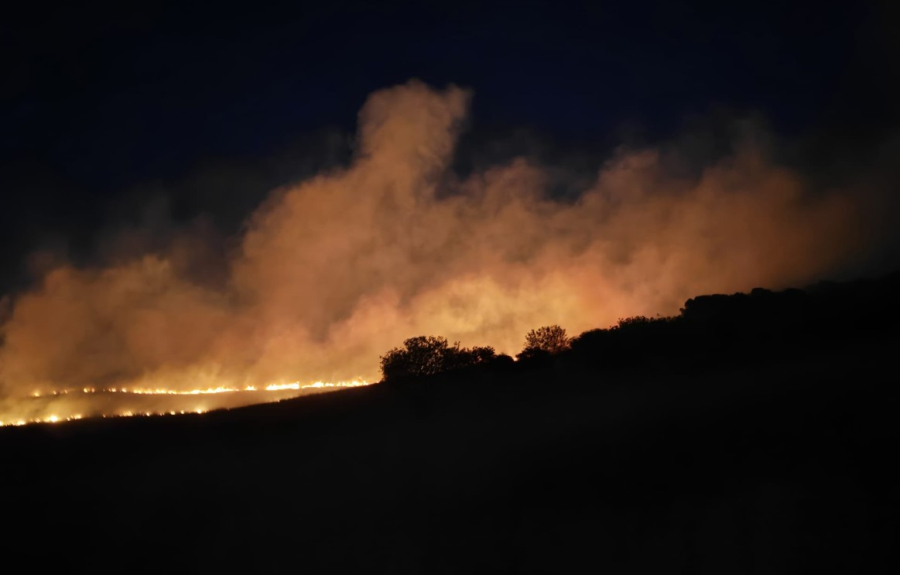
(711, 330)
(752, 433)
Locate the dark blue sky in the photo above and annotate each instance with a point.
(99, 101)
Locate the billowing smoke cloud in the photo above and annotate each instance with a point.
(333, 271)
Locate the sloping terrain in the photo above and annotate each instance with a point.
(757, 467)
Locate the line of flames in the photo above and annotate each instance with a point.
(294, 386)
(76, 417)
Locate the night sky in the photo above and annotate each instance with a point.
(115, 115)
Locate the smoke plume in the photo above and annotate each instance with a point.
(333, 271)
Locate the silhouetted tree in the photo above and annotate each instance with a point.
(429, 355)
(478, 355)
(422, 355)
(550, 339)
(501, 362)
(460, 357)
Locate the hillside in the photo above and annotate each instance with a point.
(734, 461)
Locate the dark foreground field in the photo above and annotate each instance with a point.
(780, 466)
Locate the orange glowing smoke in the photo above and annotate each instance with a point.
(334, 270)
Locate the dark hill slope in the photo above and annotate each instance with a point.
(758, 466)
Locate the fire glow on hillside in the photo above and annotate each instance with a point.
(74, 404)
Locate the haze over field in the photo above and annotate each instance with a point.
(332, 271)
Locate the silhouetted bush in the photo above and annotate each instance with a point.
(430, 355)
(630, 342)
(461, 357)
(547, 340)
(591, 340)
(501, 362)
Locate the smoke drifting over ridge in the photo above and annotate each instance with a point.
(335, 270)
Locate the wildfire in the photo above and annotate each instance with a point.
(294, 386)
(86, 392)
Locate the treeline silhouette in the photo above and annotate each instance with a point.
(709, 330)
